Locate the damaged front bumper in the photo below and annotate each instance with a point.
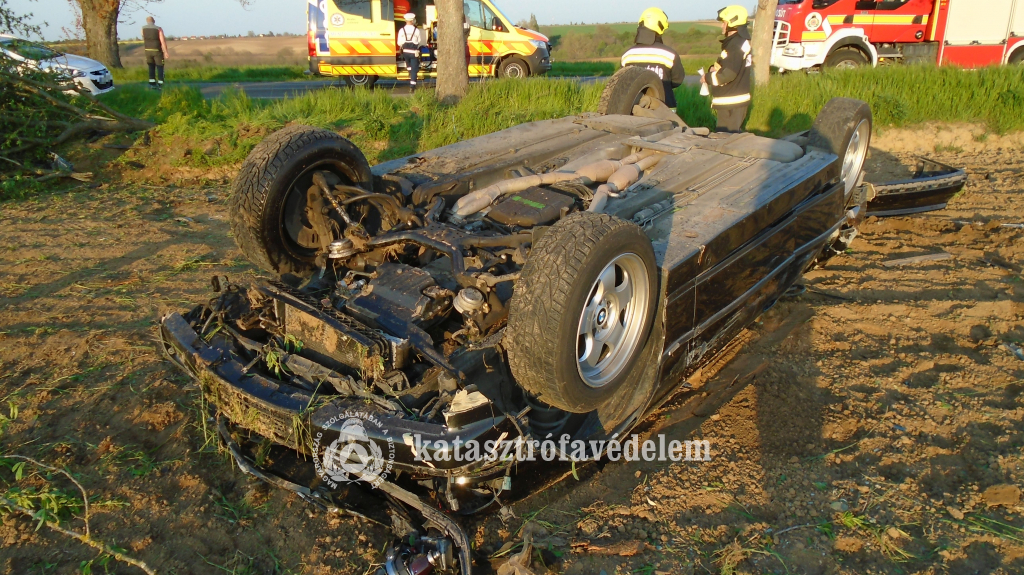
(308, 422)
(931, 187)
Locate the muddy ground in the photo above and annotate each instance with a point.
(872, 424)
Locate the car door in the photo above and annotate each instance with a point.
(482, 52)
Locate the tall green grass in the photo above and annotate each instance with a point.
(384, 127)
(176, 73)
(585, 68)
(898, 95)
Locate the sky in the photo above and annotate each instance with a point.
(208, 17)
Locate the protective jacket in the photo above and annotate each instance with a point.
(730, 83)
(151, 38)
(650, 52)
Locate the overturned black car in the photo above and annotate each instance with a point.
(556, 279)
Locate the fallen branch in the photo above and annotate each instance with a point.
(86, 537)
(43, 113)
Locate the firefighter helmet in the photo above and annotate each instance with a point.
(655, 19)
(733, 16)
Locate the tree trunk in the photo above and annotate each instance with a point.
(452, 74)
(99, 18)
(761, 39)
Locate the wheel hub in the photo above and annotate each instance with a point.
(856, 154)
(612, 320)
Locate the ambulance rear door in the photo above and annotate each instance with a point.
(361, 36)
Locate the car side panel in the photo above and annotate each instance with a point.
(733, 292)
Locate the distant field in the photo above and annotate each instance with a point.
(276, 51)
(562, 29)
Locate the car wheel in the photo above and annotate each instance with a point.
(582, 311)
(846, 59)
(626, 87)
(843, 127)
(514, 67)
(363, 80)
(268, 202)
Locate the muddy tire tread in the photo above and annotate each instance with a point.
(541, 300)
(252, 185)
(626, 80)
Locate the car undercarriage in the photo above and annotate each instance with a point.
(558, 278)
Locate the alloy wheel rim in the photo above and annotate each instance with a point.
(612, 320)
(856, 154)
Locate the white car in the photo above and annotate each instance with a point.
(87, 73)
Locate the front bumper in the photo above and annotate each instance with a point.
(96, 82)
(797, 56)
(539, 61)
(307, 423)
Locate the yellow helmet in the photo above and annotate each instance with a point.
(733, 15)
(655, 19)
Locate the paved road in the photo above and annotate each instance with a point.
(280, 90)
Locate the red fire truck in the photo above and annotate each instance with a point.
(851, 33)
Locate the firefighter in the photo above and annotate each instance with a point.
(410, 38)
(155, 46)
(650, 52)
(728, 80)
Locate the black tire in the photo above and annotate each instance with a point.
(361, 81)
(845, 58)
(626, 87)
(268, 200)
(513, 67)
(1017, 58)
(837, 124)
(546, 312)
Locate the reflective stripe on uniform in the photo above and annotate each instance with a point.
(649, 55)
(730, 100)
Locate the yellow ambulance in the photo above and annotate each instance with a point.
(355, 39)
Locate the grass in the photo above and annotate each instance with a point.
(563, 29)
(203, 133)
(898, 95)
(382, 126)
(175, 73)
(608, 67)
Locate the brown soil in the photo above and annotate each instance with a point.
(279, 50)
(872, 424)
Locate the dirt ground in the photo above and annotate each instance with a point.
(872, 424)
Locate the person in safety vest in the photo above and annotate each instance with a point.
(650, 52)
(156, 52)
(410, 38)
(728, 80)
